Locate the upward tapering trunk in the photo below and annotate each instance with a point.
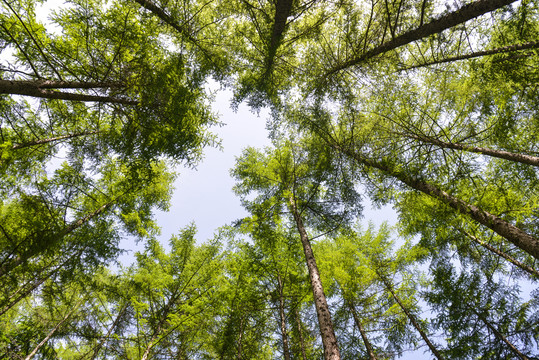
(331, 348)
(412, 319)
(500, 336)
(465, 13)
(518, 237)
(501, 154)
(368, 345)
(282, 320)
(40, 89)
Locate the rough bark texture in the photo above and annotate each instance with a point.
(413, 320)
(331, 349)
(521, 239)
(283, 8)
(41, 89)
(501, 154)
(465, 13)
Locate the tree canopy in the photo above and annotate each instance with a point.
(427, 106)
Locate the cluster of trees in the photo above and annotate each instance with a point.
(426, 106)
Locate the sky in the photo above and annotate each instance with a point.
(204, 195)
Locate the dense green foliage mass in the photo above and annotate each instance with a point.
(427, 106)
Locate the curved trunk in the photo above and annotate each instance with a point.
(331, 349)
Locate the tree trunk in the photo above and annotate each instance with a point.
(501, 154)
(282, 318)
(521, 239)
(368, 345)
(465, 13)
(331, 349)
(54, 139)
(38, 90)
(300, 333)
(51, 333)
(501, 337)
(500, 50)
(528, 269)
(412, 319)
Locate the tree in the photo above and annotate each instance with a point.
(285, 180)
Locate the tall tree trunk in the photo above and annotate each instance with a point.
(528, 269)
(465, 13)
(500, 50)
(412, 318)
(331, 348)
(51, 333)
(501, 154)
(501, 337)
(282, 319)
(7, 267)
(35, 89)
(300, 333)
(521, 239)
(368, 345)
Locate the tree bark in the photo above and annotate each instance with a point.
(51, 333)
(412, 319)
(465, 13)
(300, 333)
(331, 348)
(501, 337)
(368, 345)
(41, 89)
(282, 319)
(521, 239)
(53, 139)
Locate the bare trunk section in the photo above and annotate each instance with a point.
(283, 9)
(40, 89)
(282, 318)
(465, 13)
(412, 319)
(331, 348)
(518, 237)
(99, 346)
(502, 254)
(368, 345)
(501, 154)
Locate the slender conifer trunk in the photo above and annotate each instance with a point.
(331, 348)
